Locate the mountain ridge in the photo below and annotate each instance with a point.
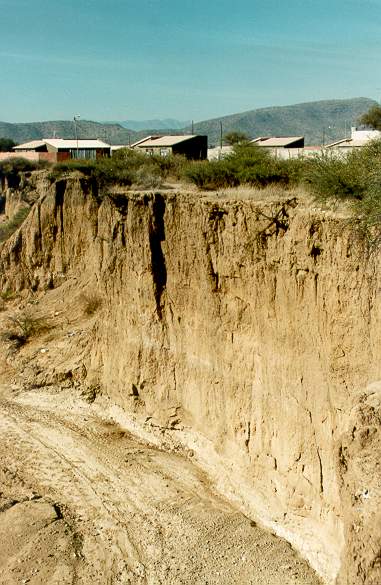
(323, 120)
(320, 121)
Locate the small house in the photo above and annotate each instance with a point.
(359, 138)
(192, 146)
(281, 146)
(59, 149)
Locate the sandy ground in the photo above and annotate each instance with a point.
(84, 501)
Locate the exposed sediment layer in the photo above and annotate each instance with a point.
(250, 329)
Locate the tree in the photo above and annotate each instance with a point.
(236, 137)
(372, 117)
(6, 144)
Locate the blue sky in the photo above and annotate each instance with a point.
(186, 59)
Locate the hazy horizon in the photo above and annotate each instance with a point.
(122, 122)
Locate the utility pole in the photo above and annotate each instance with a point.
(192, 127)
(76, 118)
(221, 135)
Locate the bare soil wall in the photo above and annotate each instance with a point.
(252, 324)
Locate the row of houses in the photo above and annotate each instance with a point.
(293, 146)
(192, 146)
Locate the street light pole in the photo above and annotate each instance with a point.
(76, 118)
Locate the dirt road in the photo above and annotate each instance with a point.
(84, 501)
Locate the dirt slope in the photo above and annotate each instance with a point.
(84, 501)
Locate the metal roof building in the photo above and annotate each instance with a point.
(279, 141)
(192, 146)
(359, 138)
(62, 149)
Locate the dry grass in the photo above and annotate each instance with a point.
(91, 303)
(21, 327)
(9, 227)
(272, 192)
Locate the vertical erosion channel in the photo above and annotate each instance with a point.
(156, 237)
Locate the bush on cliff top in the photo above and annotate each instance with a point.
(126, 167)
(105, 171)
(357, 179)
(247, 165)
(12, 169)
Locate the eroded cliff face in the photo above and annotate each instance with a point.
(248, 330)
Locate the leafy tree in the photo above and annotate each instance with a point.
(372, 117)
(236, 138)
(6, 144)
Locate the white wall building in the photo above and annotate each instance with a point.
(359, 138)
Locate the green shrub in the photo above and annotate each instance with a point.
(295, 169)
(248, 164)
(83, 166)
(212, 175)
(157, 167)
(198, 173)
(355, 178)
(347, 177)
(257, 167)
(148, 178)
(334, 178)
(263, 174)
(6, 144)
(12, 169)
(131, 158)
(105, 171)
(368, 210)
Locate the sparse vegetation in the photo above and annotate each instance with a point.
(247, 165)
(356, 179)
(7, 295)
(105, 171)
(9, 227)
(21, 327)
(12, 169)
(148, 178)
(126, 167)
(90, 302)
(212, 175)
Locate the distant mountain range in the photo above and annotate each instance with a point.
(23, 132)
(331, 118)
(167, 124)
(320, 121)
